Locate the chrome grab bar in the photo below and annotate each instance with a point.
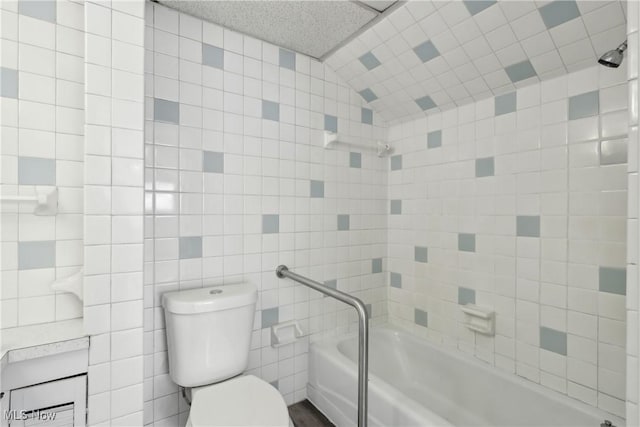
(363, 333)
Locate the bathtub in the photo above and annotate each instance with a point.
(414, 383)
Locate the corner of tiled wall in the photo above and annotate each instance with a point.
(238, 182)
(113, 193)
(633, 236)
(495, 203)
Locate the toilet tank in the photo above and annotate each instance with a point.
(208, 332)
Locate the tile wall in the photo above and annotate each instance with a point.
(113, 195)
(237, 182)
(519, 203)
(41, 94)
(631, 63)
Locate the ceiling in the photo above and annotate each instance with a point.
(314, 28)
(433, 55)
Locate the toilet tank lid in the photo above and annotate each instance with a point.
(203, 300)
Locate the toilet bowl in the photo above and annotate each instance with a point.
(241, 401)
(208, 339)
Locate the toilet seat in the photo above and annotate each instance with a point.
(241, 401)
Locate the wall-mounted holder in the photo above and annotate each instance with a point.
(72, 284)
(331, 139)
(45, 199)
(285, 333)
(479, 319)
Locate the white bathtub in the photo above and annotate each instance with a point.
(414, 383)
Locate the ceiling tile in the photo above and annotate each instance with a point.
(505, 46)
(604, 18)
(528, 25)
(426, 51)
(558, 12)
(538, 44)
(426, 103)
(369, 61)
(285, 24)
(490, 19)
(520, 71)
(501, 37)
(476, 6)
(568, 33)
(466, 30)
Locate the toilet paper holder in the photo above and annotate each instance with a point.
(285, 333)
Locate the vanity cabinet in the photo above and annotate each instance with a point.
(45, 385)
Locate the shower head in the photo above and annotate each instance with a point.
(614, 57)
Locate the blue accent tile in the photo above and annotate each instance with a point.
(166, 111)
(485, 167)
(212, 56)
(421, 254)
(330, 123)
(212, 162)
(376, 265)
(36, 171)
(270, 224)
(520, 71)
(369, 61)
(434, 139)
(421, 317)
(476, 6)
(190, 247)
(270, 317)
(39, 9)
(395, 207)
(368, 95)
(270, 110)
(426, 51)
(366, 116)
(333, 284)
(287, 59)
(8, 82)
(316, 188)
(395, 280)
(558, 12)
(343, 222)
(553, 340)
(613, 280)
(396, 162)
(584, 105)
(528, 226)
(466, 242)
(425, 103)
(466, 296)
(355, 160)
(33, 255)
(506, 103)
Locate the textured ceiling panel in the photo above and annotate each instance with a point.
(310, 27)
(433, 55)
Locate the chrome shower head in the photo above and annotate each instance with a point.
(614, 57)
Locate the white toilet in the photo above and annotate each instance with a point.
(208, 338)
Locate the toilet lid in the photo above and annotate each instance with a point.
(242, 401)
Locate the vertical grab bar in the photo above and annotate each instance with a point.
(363, 333)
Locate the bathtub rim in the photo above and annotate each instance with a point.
(330, 346)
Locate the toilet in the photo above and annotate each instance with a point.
(208, 338)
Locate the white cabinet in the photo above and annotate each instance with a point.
(60, 403)
(45, 385)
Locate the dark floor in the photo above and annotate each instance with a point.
(304, 414)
